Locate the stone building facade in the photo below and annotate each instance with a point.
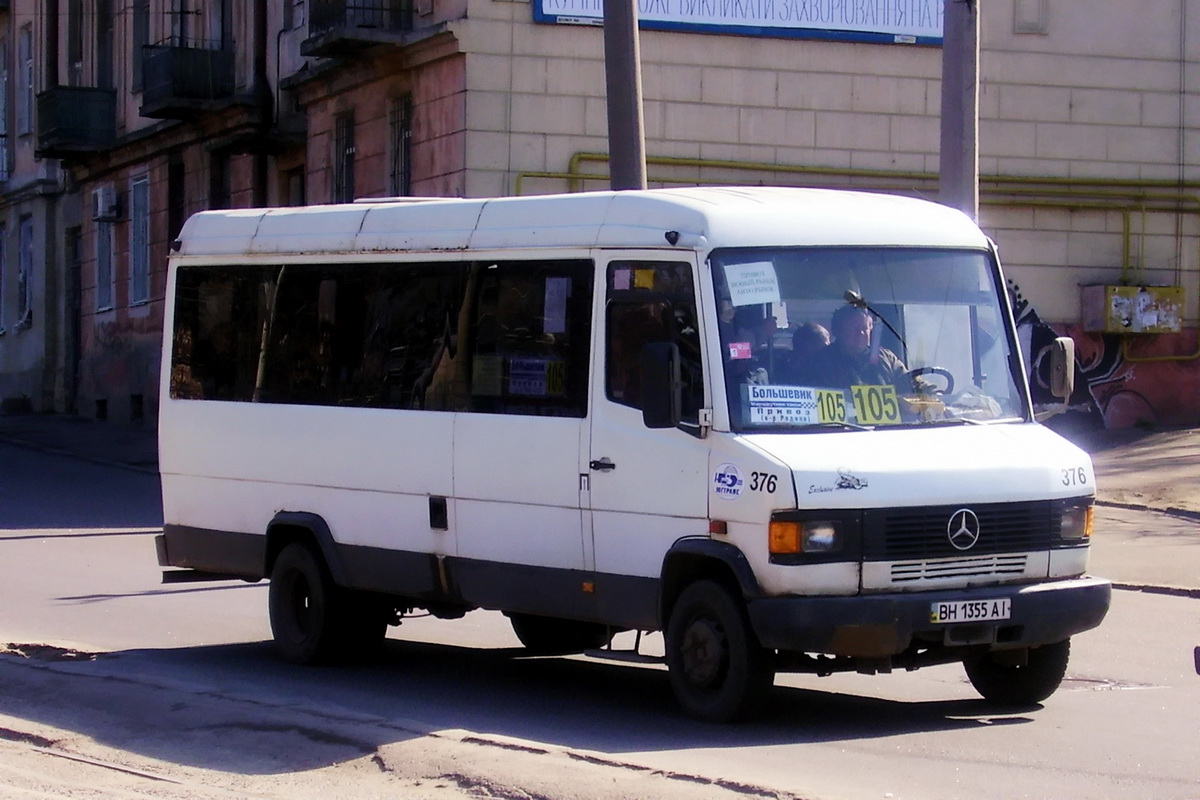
(121, 120)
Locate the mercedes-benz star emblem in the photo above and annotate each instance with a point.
(963, 529)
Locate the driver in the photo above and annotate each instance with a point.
(851, 359)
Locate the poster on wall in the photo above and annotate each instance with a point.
(894, 21)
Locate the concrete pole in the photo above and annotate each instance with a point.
(623, 75)
(959, 181)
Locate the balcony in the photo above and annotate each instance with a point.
(181, 82)
(338, 28)
(73, 121)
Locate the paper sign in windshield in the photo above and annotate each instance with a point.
(752, 283)
(782, 405)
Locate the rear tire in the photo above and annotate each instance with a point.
(315, 621)
(718, 669)
(552, 636)
(1023, 685)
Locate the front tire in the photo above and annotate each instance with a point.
(1020, 684)
(719, 672)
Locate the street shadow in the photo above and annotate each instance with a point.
(238, 709)
(44, 491)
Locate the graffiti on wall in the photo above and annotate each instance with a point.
(1112, 389)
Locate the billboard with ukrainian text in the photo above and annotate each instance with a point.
(898, 21)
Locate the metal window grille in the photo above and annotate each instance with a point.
(139, 241)
(343, 158)
(400, 124)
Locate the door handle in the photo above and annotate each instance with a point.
(603, 464)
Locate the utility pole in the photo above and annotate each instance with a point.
(623, 75)
(959, 174)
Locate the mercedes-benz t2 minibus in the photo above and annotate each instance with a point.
(628, 411)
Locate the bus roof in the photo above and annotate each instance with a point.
(702, 218)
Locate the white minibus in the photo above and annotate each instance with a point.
(790, 429)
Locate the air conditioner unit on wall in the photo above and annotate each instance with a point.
(106, 204)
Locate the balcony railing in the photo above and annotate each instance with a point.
(75, 120)
(339, 27)
(180, 82)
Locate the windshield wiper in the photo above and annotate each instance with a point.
(820, 427)
(933, 423)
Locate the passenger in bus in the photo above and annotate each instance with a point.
(808, 341)
(853, 358)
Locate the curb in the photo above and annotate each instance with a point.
(1171, 591)
(1171, 511)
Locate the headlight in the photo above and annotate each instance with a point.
(1076, 523)
(809, 536)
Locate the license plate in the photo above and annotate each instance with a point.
(970, 611)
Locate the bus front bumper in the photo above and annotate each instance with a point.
(883, 625)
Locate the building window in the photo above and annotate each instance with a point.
(178, 12)
(25, 273)
(343, 158)
(25, 77)
(139, 240)
(141, 38)
(3, 270)
(104, 264)
(4, 151)
(400, 158)
(294, 187)
(106, 38)
(220, 185)
(293, 14)
(75, 41)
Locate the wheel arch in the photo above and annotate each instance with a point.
(698, 558)
(302, 526)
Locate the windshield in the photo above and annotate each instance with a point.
(835, 337)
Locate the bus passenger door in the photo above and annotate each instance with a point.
(519, 437)
(646, 488)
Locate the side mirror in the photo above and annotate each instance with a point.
(1062, 368)
(662, 389)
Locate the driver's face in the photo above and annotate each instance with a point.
(854, 333)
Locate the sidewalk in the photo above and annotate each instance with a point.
(1148, 489)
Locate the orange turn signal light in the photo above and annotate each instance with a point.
(785, 537)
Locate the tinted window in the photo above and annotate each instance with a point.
(651, 301)
(506, 337)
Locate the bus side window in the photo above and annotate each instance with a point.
(528, 337)
(651, 301)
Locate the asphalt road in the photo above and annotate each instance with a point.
(116, 686)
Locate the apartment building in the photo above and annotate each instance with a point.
(120, 119)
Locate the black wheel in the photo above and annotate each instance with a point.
(551, 636)
(719, 671)
(1019, 684)
(313, 620)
